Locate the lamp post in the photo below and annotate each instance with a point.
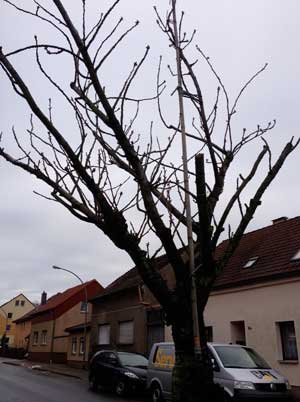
(86, 307)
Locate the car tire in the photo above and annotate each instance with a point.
(120, 388)
(156, 393)
(93, 384)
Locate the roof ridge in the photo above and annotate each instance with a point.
(271, 225)
(19, 294)
(263, 228)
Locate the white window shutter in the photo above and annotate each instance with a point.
(126, 332)
(104, 334)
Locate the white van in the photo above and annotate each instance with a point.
(242, 373)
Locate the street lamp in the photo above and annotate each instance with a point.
(85, 310)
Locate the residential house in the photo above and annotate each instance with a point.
(50, 337)
(256, 301)
(11, 311)
(126, 316)
(23, 331)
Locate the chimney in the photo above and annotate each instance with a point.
(43, 298)
(279, 220)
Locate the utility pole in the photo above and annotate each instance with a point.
(85, 312)
(186, 181)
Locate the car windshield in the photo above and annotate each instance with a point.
(240, 357)
(132, 359)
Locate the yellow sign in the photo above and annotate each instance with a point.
(164, 359)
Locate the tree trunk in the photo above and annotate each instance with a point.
(192, 379)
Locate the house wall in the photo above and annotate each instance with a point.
(74, 359)
(261, 308)
(39, 352)
(70, 318)
(112, 310)
(23, 330)
(57, 345)
(17, 310)
(2, 323)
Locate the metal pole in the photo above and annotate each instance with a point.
(86, 308)
(186, 182)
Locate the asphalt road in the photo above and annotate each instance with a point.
(18, 384)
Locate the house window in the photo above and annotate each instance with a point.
(250, 262)
(35, 338)
(9, 315)
(17, 302)
(296, 257)
(74, 345)
(84, 307)
(22, 303)
(7, 327)
(104, 334)
(209, 333)
(81, 345)
(288, 340)
(126, 332)
(44, 337)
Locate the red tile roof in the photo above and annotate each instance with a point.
(59, 299)
(130, 279)
(274, 246)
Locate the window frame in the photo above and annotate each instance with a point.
(250, 262)
(35, 339)
(121, 341)
(81, 346)
(84, 309)
(285, 337)
(109, 328)
(74, 342)
(44, 337)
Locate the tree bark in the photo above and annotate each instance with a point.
(192, 378)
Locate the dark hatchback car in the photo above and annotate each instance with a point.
(122, 372)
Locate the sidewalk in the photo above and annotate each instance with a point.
(60, 369)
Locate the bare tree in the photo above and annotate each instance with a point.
(107, 170)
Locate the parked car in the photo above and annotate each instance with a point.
(121, 372)
(243, 374)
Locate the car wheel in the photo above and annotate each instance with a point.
(93, 382)
(156, 393)
(120, 388)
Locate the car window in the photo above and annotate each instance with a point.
(133, 359)
(102, 357)
(111, 358)
(233, 357)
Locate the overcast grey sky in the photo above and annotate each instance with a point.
(239, 37)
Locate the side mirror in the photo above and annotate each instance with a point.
(113, 361)
(215, 365)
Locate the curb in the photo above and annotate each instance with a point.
(43, 369)
(56, 372)
(13, 364)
